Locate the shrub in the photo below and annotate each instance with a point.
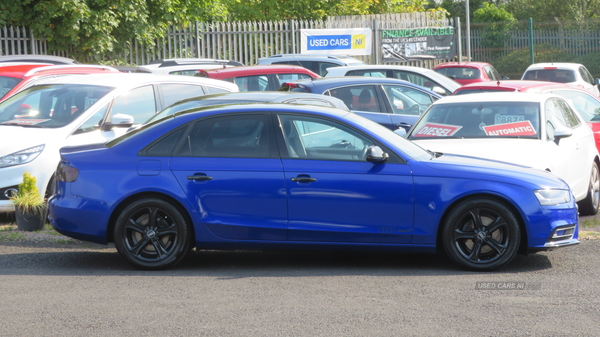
(514, 64)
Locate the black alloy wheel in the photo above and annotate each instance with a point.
(481, 234)
(152, 234)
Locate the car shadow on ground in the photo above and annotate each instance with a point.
(103, 260)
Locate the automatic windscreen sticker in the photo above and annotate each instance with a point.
(25, 121)
(437, 130)
(510, 129)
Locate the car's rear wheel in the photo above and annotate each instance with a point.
(481, 234)
(152, 234)
(589, 205)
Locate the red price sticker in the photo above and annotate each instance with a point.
(437, 130)
(510, 129)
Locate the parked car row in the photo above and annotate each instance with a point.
(194, 163)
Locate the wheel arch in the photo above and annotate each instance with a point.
(522, 245)
(145, 195)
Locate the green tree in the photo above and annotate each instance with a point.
(550, 10)
(91, 27)
(263, 10)
(498, 23)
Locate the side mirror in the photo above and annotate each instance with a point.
(562, 132)
(401, 132)
(118, 120)
(122, 120)
(504, 78)
(596, 81)
(439, 90)
(376, 155)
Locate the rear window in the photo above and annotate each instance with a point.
(478, 91)
(479, 120)
(459, 73)
(551, 75)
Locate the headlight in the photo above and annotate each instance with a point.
(21, 157)
(552, 197)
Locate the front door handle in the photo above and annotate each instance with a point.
(302, 179)
(199, 177)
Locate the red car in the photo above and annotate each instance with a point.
(261, 77)
(469, 72)
(17, 76)
(587, 104)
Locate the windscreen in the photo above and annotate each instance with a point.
(479, 120)
(50, 106)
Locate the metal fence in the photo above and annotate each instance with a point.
(241, 41)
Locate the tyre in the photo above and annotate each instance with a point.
(152, 234)
(589, 205)
(481, 234)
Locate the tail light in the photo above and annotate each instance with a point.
(66, 173)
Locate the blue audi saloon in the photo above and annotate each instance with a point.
(262, 176)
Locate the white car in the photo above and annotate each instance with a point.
(423, 77)
(537, 130)
(81, 109)
(184, 66)
(572, 73)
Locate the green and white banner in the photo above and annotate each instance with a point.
(417, 44)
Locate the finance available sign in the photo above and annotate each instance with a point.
(355, 41)
(418, 43)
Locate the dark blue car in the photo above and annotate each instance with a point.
(259, 176)
(390, 102)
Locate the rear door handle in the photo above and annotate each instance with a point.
(199, 177)
(302, 179)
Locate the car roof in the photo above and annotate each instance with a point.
(68, 69)
(19, 69)
(379, 66)
(37, 58)
(326, 82)
(477, 65)
(516, 85)
(304, 57)
(262, 96)
(131, 80)
(257, 70)
(564, 65)
(267, 107)
(495, 97)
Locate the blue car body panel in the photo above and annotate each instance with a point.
(253, 202)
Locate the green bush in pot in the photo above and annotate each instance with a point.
(30, 207)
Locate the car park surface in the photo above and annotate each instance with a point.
(80, 109)
(260, 176)
(535, 130)
(394, 103)
(572, 73)
(318, 64)
(423, 77)
(259, 78)
(469, 72)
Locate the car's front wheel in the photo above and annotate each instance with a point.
(151, 234)
(589, 205)
(481, 234)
